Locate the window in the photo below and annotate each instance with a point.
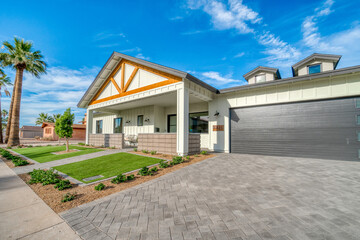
(357, 102)
(47, 130)
(260, 78)
(117, 125)
(314, 69)
(140, 120)
(358, 119)
(358, 136)
(99, 125)
(199, 122)
(172, 123)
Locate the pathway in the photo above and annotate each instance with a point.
(23, 215)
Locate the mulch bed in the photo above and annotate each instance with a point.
(52, 196)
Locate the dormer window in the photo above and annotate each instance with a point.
(260, 78)
(314, 68)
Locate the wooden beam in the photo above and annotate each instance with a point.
(130, 79)
(116, 85)
(122, 75)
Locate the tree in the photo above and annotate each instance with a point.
(44, 117)
(56, 116)
(4, 82)
(63, 126)
(21, 57)
(4, 118)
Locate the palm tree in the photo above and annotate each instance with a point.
(4, 81)
(4, 116)
(20, 57)
(56, 116)
(44, 117)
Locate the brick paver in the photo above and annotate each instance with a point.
(232, 196)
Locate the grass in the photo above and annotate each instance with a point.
(45, 154)
(107, 166)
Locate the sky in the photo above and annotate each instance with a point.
(216, 41)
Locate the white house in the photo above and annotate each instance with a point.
(315, 113)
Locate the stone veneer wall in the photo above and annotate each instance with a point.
(166, 142)
(107, 140)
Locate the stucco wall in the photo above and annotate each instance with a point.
(342, 86)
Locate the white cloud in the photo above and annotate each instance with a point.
(215, 79)
(239, 55)
(140, 55)
(106, 35)
(52, 93)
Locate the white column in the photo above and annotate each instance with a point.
(182, 117)
(89, 124)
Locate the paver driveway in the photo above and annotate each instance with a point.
(233, 196)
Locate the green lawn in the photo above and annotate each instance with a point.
(45, 154)
(107, 166)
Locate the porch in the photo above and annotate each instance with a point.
(174, 122)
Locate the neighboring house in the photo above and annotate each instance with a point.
(315, 113)
(79, 131)
(31, 132)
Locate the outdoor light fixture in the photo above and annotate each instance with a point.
(128, 121)
(147, 120)
(216, 114)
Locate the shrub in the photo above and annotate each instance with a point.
(135, 149)
(112, 147)
(63, 184)
(99, 187)
(19, 162)
(68, 197)
(153, 152)
(145, 151)
(15, 159)
(130, 177)
(8, 147)
(204, 153)
(187, 157)
(196, 155)
(81, 144)
(44, 176)
(177, 160)
(144, 171)
(163, 164)
(87, 145)
(119, 178)
(154, 169)
(29, 146)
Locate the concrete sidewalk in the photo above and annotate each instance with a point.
(23, 215)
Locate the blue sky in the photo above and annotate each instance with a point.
(216, 41)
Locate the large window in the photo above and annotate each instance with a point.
(117, 125)
(314, 68)
(199, 122)
(140, 120)
(172, 123)
(260, 78)
(99, 126)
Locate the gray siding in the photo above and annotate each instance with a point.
(317, 129)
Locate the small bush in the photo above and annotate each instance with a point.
(154, 169)
(68, 197)
(144, 171)
(196, 155)
(8, 147)
(204, 153)
(99, 187)
(130, 177)
(15, 159)
(20, 146)
(63, 184)
(187, 157)
(135, 149)
(153, 152)
(119, 178)
(44, 176)
(112, 147)
(29, 146)
(163, 164)
(177, 160)
(81, 144)
(87, 145)
(145, 151)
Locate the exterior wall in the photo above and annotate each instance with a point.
(160, 118)
(107, 140)
(79, 134)
(51, 135)
(325, 66)
(30, 134)
(268, 77)
(204, 140)
(341, 86)
(166, 143)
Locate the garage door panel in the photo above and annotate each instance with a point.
(319, 129)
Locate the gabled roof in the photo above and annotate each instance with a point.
(31, 128)
(116, 58)
(317, 56)
(262, 69)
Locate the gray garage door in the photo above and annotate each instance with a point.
(318, 129)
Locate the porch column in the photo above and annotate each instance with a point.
(89, 124)
(182, 130)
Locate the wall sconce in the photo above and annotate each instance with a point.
(128, 121)
(147, 120)
(216, 114)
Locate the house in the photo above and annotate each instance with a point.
(79, 131)
(315, 113)
(31, 132)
